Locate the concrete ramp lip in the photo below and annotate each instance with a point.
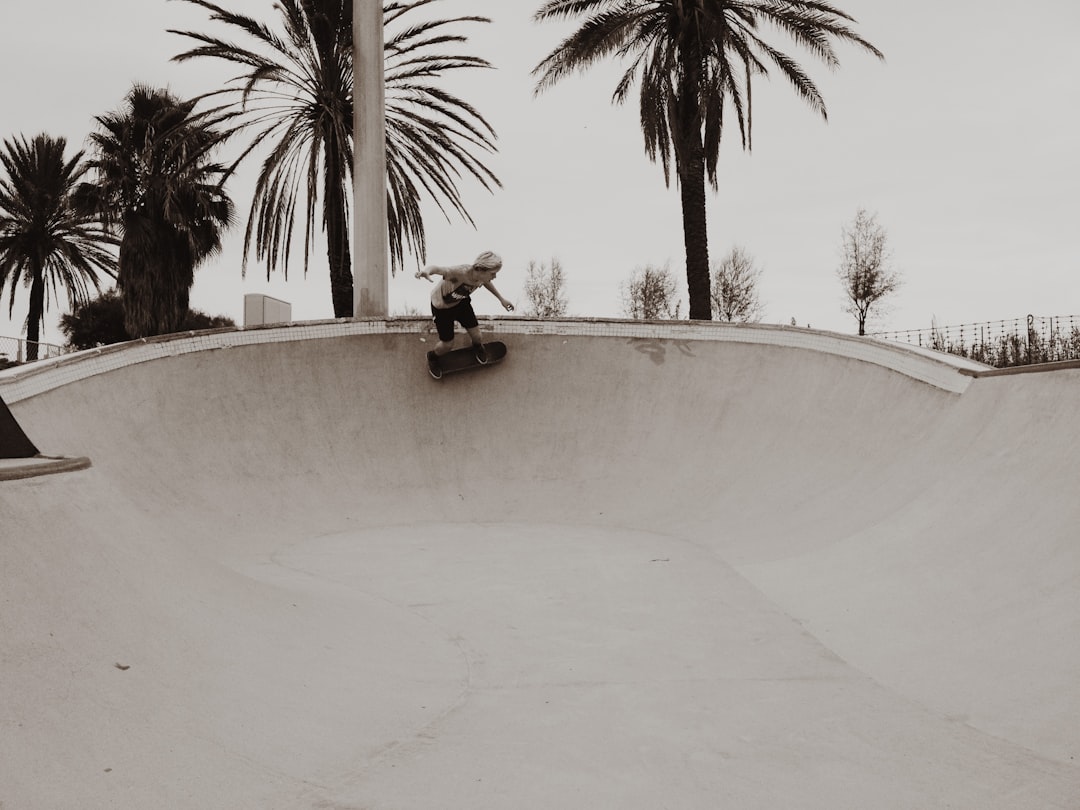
(945, 371)
(12, 469)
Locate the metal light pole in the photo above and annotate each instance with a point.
(370, 251)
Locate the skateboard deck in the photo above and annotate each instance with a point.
(465, 359)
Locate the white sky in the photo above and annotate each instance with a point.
(964, 142)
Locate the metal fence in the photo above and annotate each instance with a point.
(14, 351)
(1018, 342)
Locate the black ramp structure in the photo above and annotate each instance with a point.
(14, 443)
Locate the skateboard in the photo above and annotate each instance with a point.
(465, 359)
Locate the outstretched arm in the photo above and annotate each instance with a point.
(509, 307)
(453, 273)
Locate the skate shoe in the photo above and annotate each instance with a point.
(433, 366)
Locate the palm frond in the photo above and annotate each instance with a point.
(47, 242)
(694, 63)
(600, 36)
(294, 98)
(157, 187)
(720, 42)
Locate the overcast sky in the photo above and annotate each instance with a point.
(963, 142)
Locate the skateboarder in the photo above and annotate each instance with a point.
(450, 302)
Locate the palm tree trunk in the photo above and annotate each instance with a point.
(337, 240)
(690, 160)
(33, 319)
(695, 230)
(341, 280)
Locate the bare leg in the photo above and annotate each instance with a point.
(443, 346)
(475, 336)
(478, 344)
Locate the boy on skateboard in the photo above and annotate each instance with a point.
(450, 302)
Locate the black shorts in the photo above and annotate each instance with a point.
(444, 319)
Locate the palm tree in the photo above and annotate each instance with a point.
(156, 185)
(46, 244)
(296, 95)
(695, 60)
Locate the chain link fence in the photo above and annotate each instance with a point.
(15, 351)
(1017, 342)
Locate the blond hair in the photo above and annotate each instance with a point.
(487, 261)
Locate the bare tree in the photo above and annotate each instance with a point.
(735, 288)
(544, 285)
(865, 270)
(649, 294)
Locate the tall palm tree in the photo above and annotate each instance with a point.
(158, 188)
(46, 244)
(296, 96)
(695, 60)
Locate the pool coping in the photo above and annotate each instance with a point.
(944, 371)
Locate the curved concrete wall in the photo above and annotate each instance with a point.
(872, 522)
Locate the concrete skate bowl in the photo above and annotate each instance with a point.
(633, 566)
